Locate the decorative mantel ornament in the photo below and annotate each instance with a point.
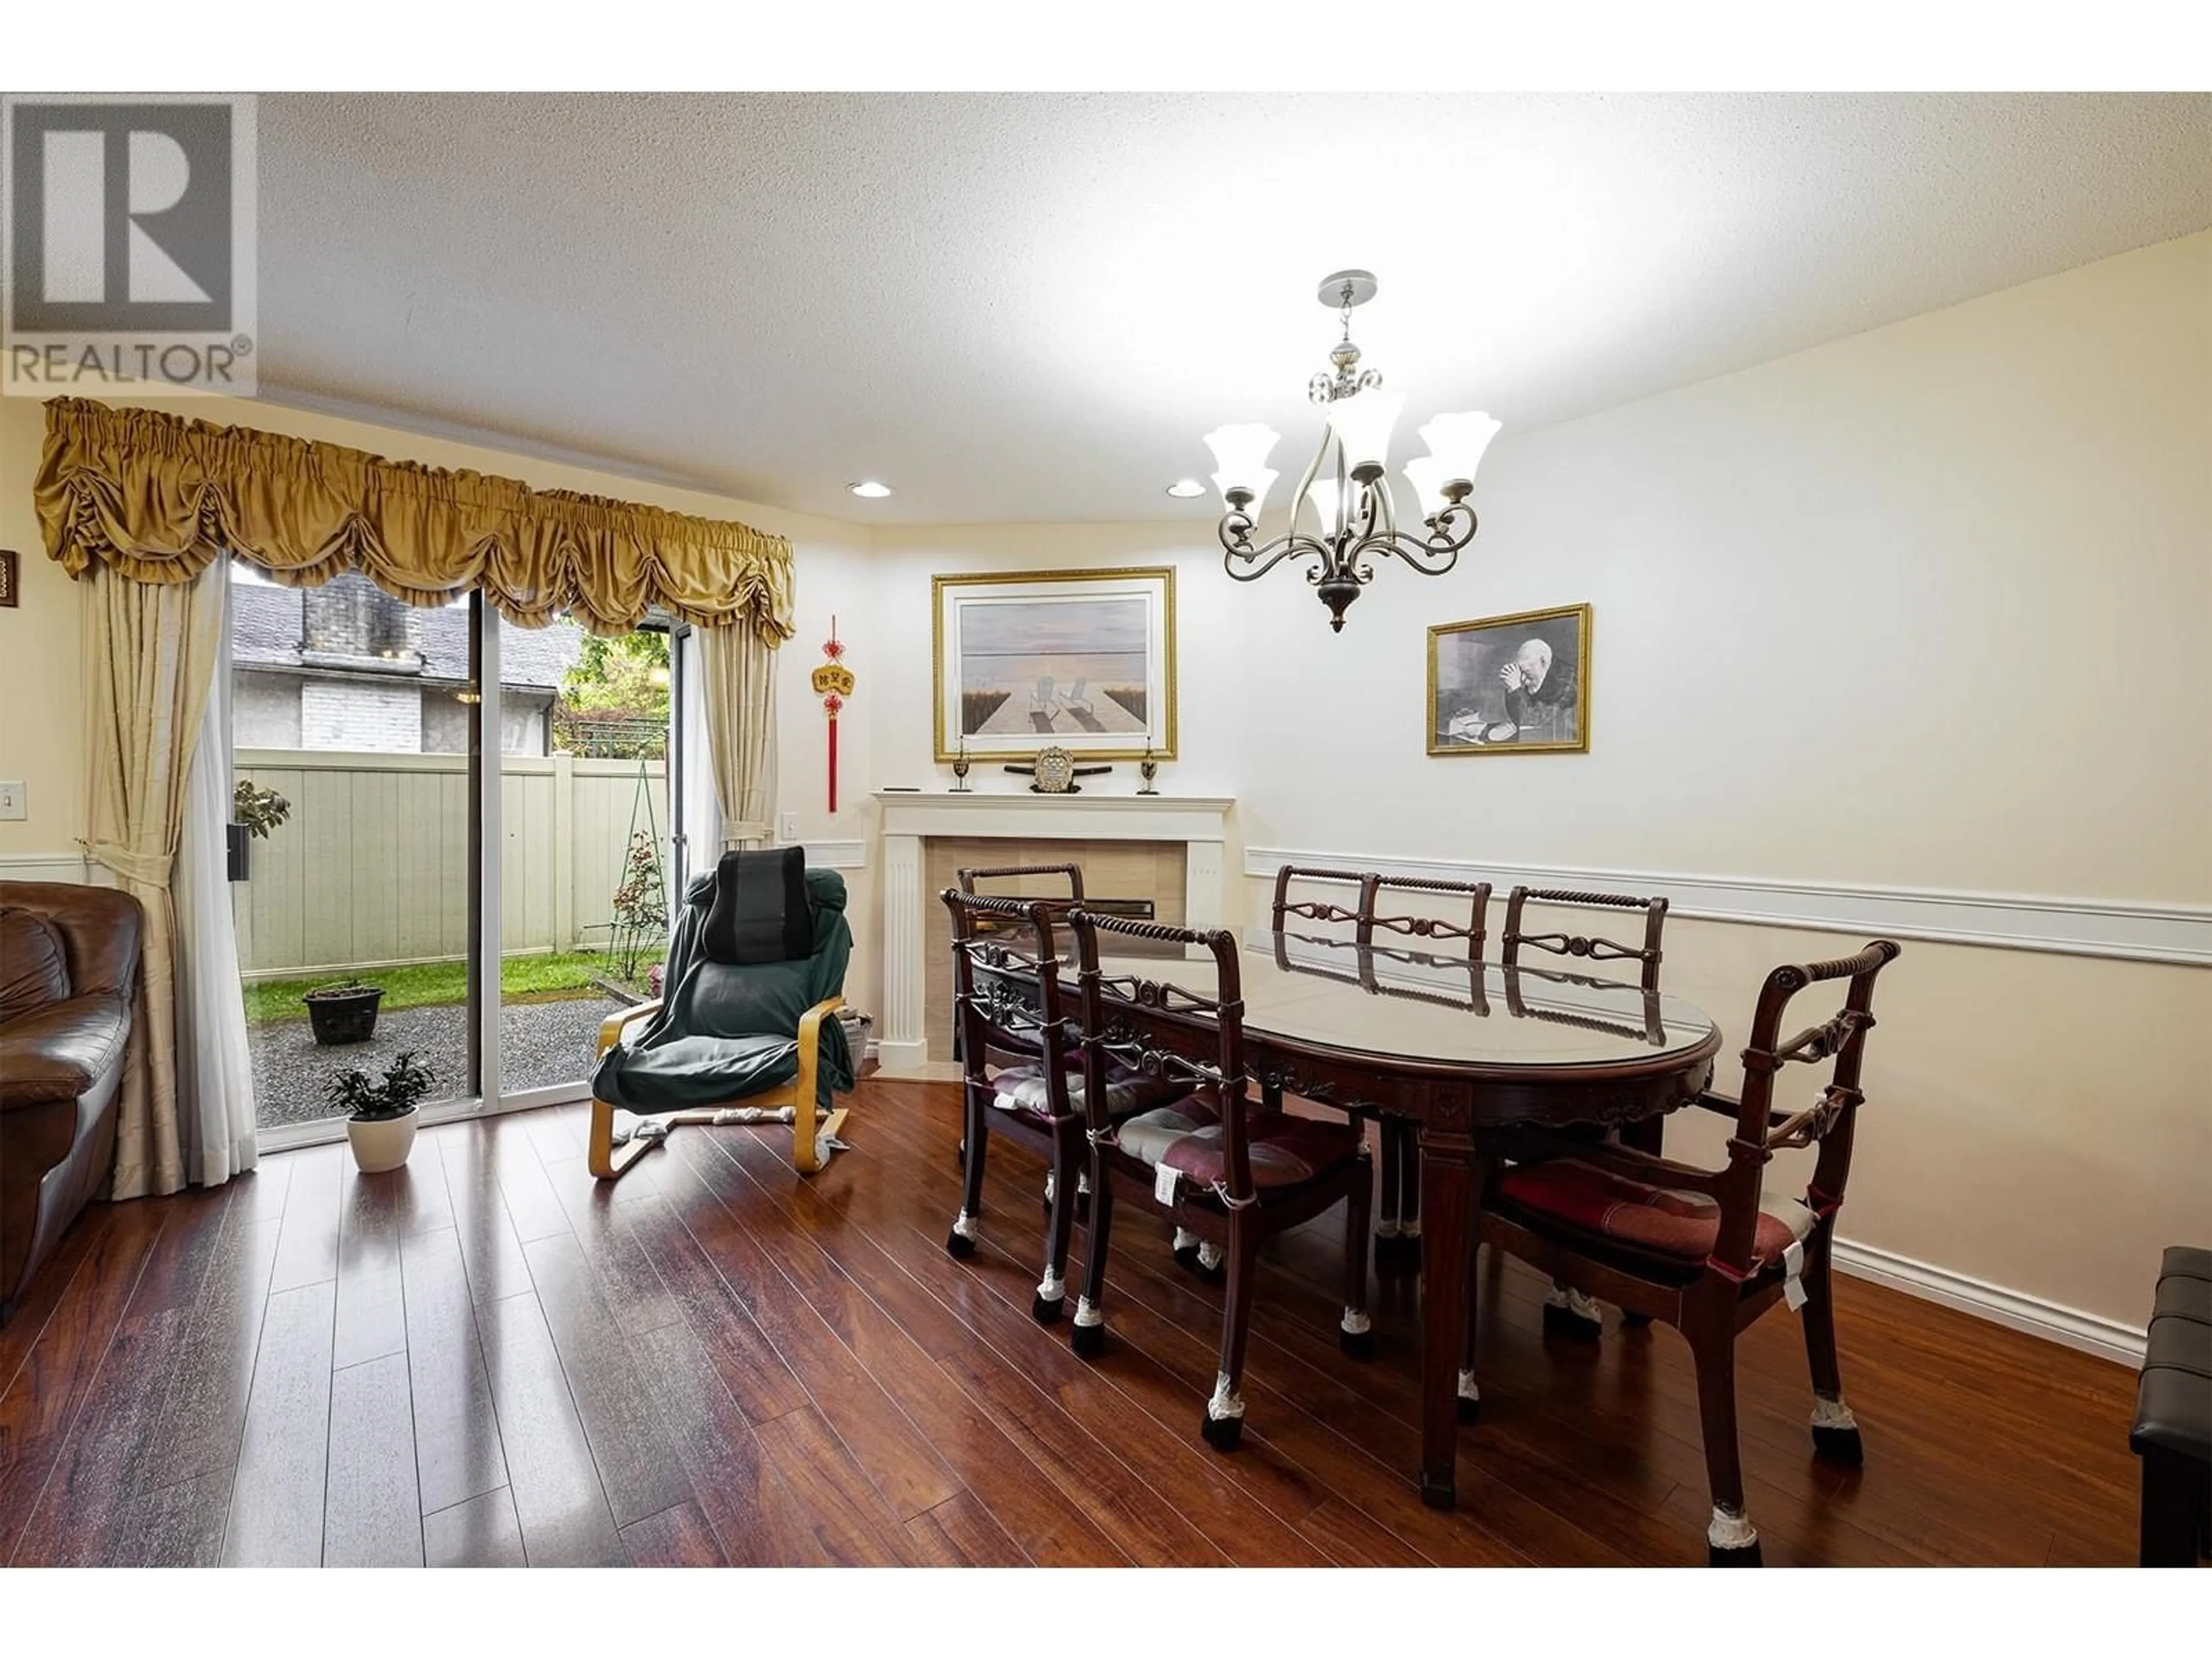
(833, 684)
(1054, 771)
(1352, 513)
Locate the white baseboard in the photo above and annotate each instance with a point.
(2176, 933)
(2108, 1338)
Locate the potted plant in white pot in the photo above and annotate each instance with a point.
(381, 1113)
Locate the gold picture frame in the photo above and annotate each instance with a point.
(1511, 685)
(1023, 660)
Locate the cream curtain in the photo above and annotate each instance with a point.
(159, 499)
(214, 1063)
(738, 679)
(149, 652)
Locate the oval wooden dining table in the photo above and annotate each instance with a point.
(1469, 1051)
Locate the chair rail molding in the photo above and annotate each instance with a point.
(2177, 935)
(53, 867)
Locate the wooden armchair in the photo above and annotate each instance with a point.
(1015, 1045)
(1232, 1173)
(1398, 1219)
(1708, 1251)
(743, 1032)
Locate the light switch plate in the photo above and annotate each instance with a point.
(786, 827)
(12, 806)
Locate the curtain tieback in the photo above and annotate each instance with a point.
(147, 869)
(737, 830)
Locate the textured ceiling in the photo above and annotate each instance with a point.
(1022, 306)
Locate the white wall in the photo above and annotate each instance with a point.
(1922, 609)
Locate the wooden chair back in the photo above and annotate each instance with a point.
(1476, 892)
(1318, 910)
(1009, 1001)
(1164, 1030)
(1589, 946)
(1072, 873)
(1828, 1123)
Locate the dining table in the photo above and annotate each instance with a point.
(1470, 1051)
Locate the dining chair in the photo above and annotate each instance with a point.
(1018, 1055)
(970, 880)
(1230, 1172)
(1568, 1312)
(1321, 909)
(1589, 946)
(1708, 1251)
(1398, 1216)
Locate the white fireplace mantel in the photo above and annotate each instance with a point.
(910, 818)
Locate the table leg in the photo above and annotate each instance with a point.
(1449, 1175)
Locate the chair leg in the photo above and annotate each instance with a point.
(1052, 1290)
(1835, 1430)
(1568, 1313)
(1088, 1337)
(602, 1157)
(1355, 1333)
(1731, 1541)
(1223, 1424)
(2173, 1501)
(1409, 1194)
(1470, 1395)
(1386, 1224)
(961, 1241)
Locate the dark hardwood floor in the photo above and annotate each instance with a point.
(487, 1358)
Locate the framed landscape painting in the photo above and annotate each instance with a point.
(1083, 660)
(1511, 685)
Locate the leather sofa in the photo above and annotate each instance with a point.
(68, 964)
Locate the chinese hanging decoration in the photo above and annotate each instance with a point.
(833, 684)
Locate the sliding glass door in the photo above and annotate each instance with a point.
(351, 853)
(454, 838)
(585, 843)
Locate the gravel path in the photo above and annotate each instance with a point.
(542, 1044)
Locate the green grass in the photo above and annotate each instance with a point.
(430, 984)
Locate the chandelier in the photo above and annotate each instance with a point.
(1344, 514)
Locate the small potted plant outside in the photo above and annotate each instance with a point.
(381, 1113)
(255, 812)
(344, 1013)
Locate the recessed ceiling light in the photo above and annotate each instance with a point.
(1183, 489)
(869, 489)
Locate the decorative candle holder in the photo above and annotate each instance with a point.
(1148, 768)
(960, 769)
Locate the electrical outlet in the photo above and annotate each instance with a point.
(11, 801)
(786, 827)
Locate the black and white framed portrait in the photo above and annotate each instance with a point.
(1511, 685)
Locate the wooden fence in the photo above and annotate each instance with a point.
(372, 868)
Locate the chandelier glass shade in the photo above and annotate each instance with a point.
(1344, 514)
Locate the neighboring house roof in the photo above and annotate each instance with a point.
(265, 627)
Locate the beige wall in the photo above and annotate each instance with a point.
(1925, 608)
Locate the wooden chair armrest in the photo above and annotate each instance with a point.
(610, 1028)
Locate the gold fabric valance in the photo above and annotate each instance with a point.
(158, 498)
